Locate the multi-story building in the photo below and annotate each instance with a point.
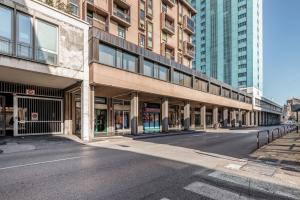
(291, 105)
(139, 77)
(229, 42)
(44, 75)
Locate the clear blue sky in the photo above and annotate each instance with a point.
(281, 49)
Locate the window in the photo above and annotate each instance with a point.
(116, 58)
(121, 32)
(164, 37)
(142, 40)
(163, 73)
(74, 7)
(149, 8)
(46, 42)
(164, 7)
(24, 36)
(5, 30)
(149, 35)
(148, 68)
(182, 79)
(156, 71)
(142, 14)
(107, 55)
(129, 62)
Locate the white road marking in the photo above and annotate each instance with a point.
(39, 163)
(254, 184)
(164, 198)
(213, 192)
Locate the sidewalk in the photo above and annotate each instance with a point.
(283, 152)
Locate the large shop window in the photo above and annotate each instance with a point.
(5, 30)
(47, 42)
(24, 36)
(117, 58)
(156, 71)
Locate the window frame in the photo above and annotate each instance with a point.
(32, 36)
(36, 47)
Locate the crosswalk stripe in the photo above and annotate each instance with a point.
(256, 185)
(213, 192)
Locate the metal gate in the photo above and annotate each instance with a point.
(2, 116)
(37, 116)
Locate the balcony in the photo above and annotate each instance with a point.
(120, 12)
(188, 25)
(189, 7)
(96, 6)
(188, 50)
(170, 3)
(97, 23)
(168, 51)
(167, 23)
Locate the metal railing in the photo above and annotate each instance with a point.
(119, 13)
(280, 131)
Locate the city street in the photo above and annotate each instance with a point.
(122, 168)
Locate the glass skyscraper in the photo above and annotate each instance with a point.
(229, 42)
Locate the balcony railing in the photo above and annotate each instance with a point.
(97, 23)
(124, 16)
(170, 26)
(189, 25)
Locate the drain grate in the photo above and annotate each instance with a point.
(3, 143)
(122, 145)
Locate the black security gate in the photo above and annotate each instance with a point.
(37, 115)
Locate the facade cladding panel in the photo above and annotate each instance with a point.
(233, 41)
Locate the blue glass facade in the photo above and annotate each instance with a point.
(228, 42)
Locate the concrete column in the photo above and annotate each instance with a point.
(233, 118)
(165, 114)
(248, 118)
(134, 112)
(256, 118)
(193, 126)
(92, 110)
(240, 120)
(187, 111)
(252, 118)
(203, 116)
(85, 111)
(260, 118)
(225, 117)
(215, 116)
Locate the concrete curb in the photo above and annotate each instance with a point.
(164, 135)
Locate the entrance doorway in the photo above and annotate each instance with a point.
(100, 121)
(2, 116)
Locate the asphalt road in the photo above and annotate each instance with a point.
(63, 169)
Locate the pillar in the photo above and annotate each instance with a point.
(248, 118)
(203, 116)
(252, 118)
(225, 117)
(256, 118)
(92, 110)
(165, 114)
(85, 110)
(134, 111)
(186, 115)
(233, 119)
(215, 116)
(240, 118)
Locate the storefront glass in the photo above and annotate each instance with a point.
(151, 117)
(121, 115)
(101, 116)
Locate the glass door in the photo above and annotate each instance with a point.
(2, 116)
(100, 121)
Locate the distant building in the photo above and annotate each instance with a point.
(290, 115)
(229, 42)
